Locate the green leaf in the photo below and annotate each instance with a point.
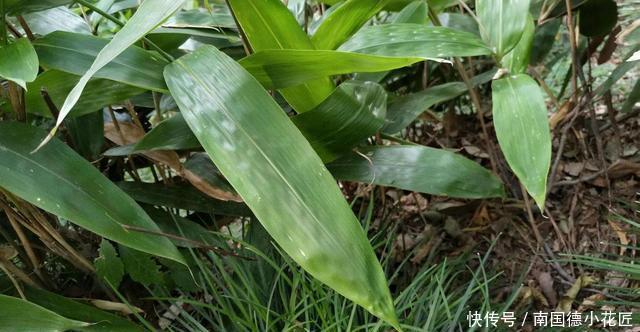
(598, 17)
(418, 168)
(17, 7)
(170, 134)
(19, 62)
(632, 98)
(87, 134)
(460, 22)
(141, 267)
(146, 18)
(344, 22)
(101, 320)
(56, 19)
(97, 94)
(522, 127)
(416, 12)
(284, 68)
(108, 265)
(517, 60)
(201, 165)
(61, 182)
(439, 5)
(403, 110)
(74, 53)
(353, 112)
(183, 197)
(415, 40)
(286, 185)
(502, 23)
(18, 315)
(391, 5)
(201, 19)
(268, 24)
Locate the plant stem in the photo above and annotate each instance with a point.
(115, 20)
(4, 37)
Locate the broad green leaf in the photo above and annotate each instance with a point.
(353, 112)
(74, 53)
(284, 68)
(18, 315)
(61, 182)
(418, 168)
(502, 23)
(108, 265)
(598, 17)
(18, 7)
(173, 224)
(87, 133)
(391, 5)
(97, 94)
(628, 63)
(286, 185)
(439, 5)
(344, 22)
(141, 267)
(517, 60)
(268, 25)
(415, 40)
(104, 5)
(19, 62)
(522, 127)
(56, 19)
(200, 19)
(403, 110)
(181, 196)
(170, 134)
(101, 320)
(146, 18)
(415, 12)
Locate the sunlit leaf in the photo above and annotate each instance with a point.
(286, 185)
(61, 182)
(19, 62)
(502, 23)
(415, 40)
(418, 168)
(522, 127)
(18, 315)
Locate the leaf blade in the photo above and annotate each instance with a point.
(502, 22)
(61, 182)
(18, 315)
(418, 168)
(269, 180)
(19, 62)
(522, 127)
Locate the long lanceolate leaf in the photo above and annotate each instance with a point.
(269, 25)
(522, 127)
(283, 182)
(344, 22)
(283, 68)
(415, 40)
(61, 182)
(502, 22)
(418, 168)
(147, 17)
(18, 315)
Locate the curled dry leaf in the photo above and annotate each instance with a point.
(128, 133)
(116, 306)
(567, 300)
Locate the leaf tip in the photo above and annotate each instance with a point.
(46, 139)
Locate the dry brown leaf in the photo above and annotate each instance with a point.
(624, 240)
(545, 281)
(559, 116)
(116, 306)
(567, 300)
(130, 133)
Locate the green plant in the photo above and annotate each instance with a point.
(255, 113)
